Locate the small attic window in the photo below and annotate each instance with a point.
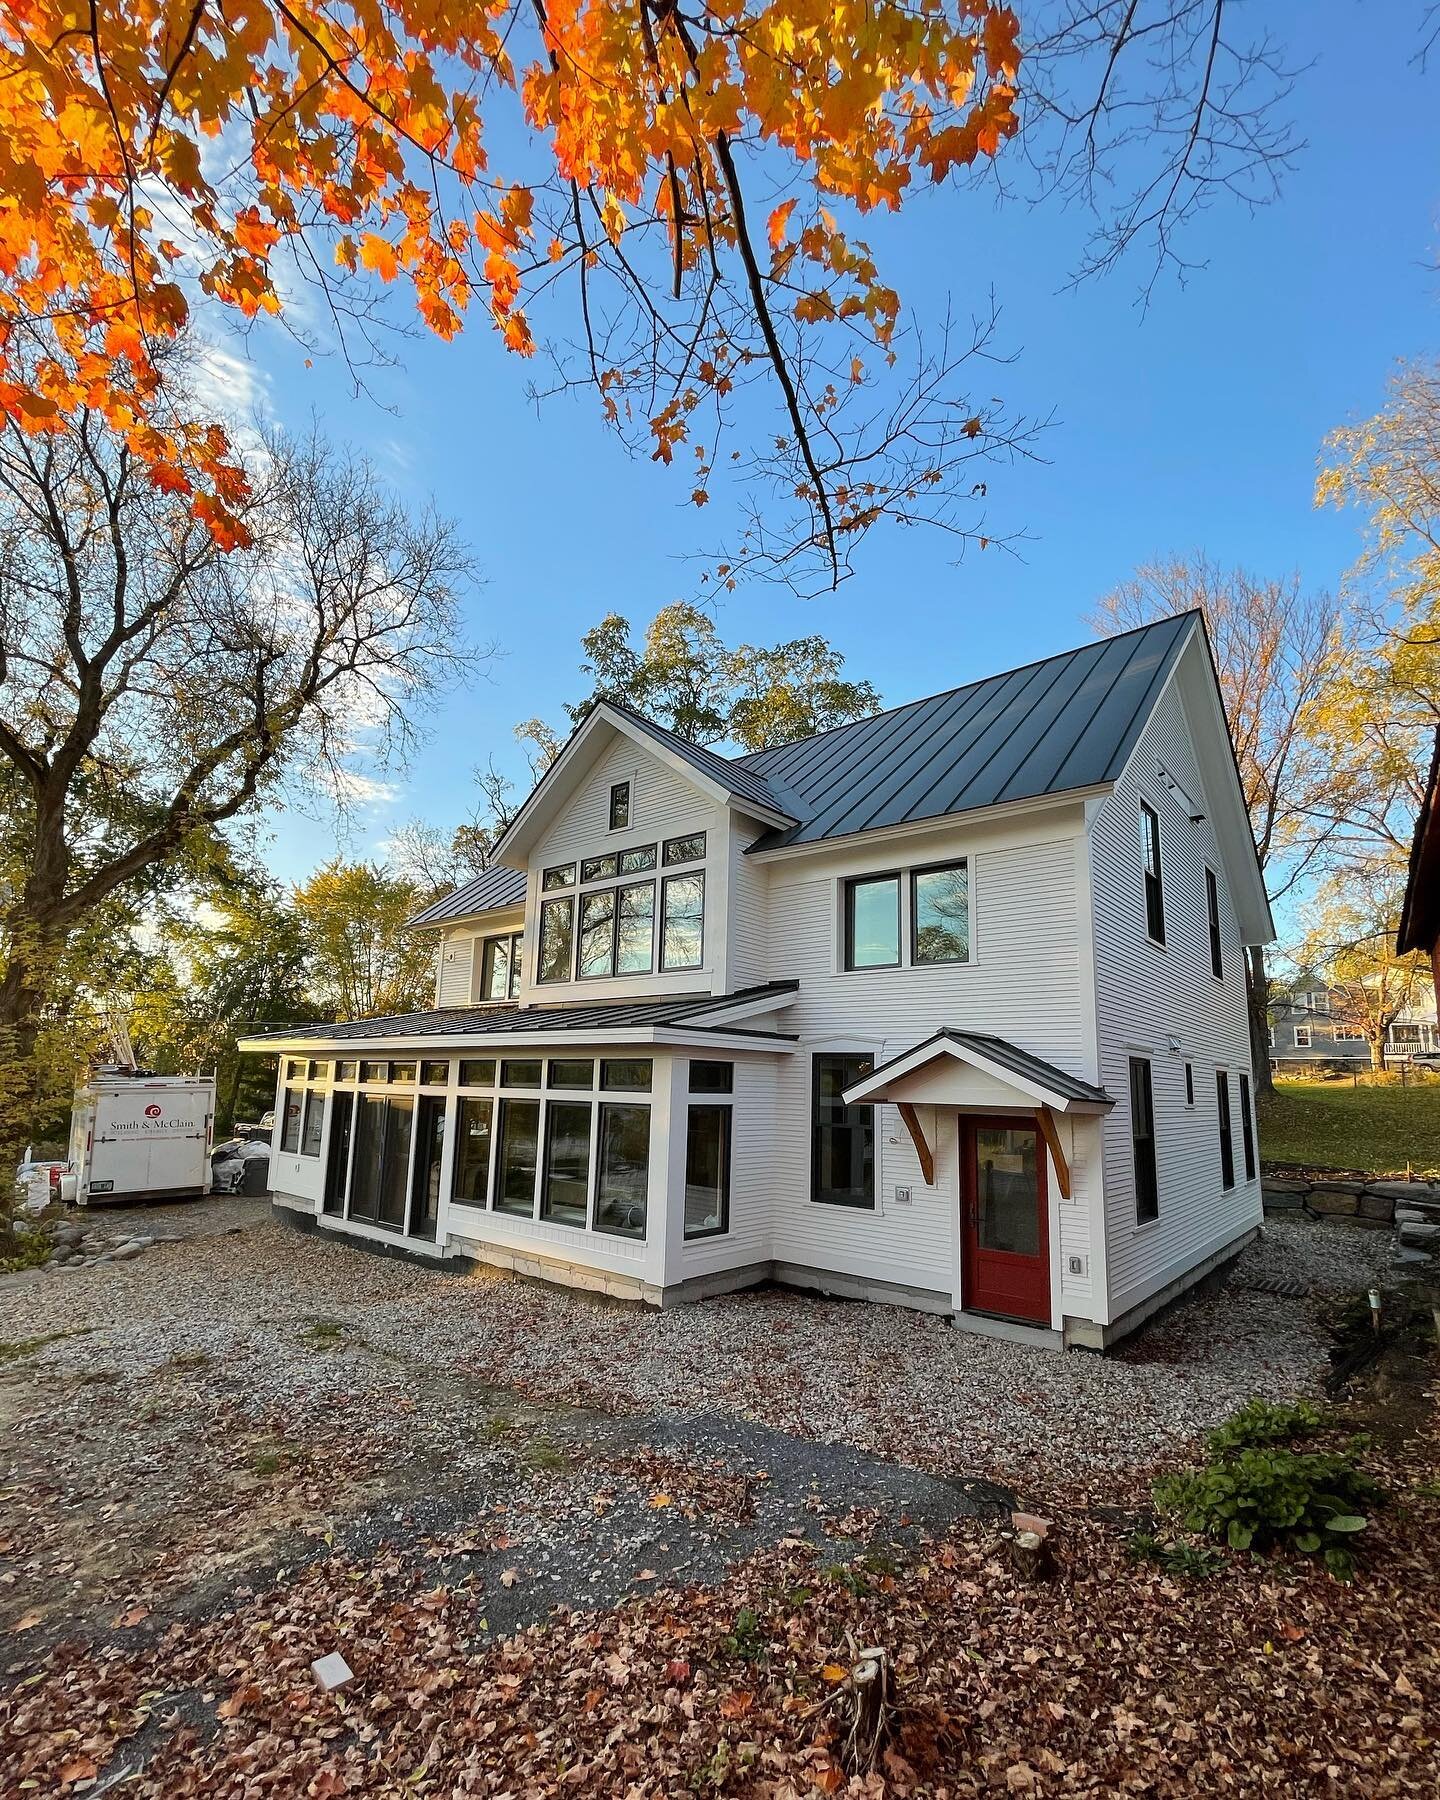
(620, 806)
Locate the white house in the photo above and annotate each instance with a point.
(945, 1008)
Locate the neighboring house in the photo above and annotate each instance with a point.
(1420, 913)
(945, 1007)
(1305, 1033)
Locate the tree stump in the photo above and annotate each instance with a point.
(1031, 1557)
(870, 1702)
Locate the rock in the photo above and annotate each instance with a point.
(1285, 1184)
(1377, 1206)
(68, 1234)
(124, 1252)
(1420, 1237)
(1403, 1190)
(1282, 1199)
(60, 1256)
(1342, 1202)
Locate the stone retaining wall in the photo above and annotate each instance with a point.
(1375, 1201)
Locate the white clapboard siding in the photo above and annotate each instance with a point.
(752, 1177)
(1146, 996)
(458, 970)
(1024, 983)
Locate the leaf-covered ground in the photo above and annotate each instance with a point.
(237, 1455)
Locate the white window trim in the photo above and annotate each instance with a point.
(632, 783)
(1305, 1043)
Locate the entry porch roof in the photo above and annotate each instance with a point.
(979, 1072)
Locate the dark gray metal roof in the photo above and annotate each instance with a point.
(598, 1016)
(1009, 1056)
(1067, 722)
(493, 887)
(737, 777)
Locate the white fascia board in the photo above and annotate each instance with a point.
(478, 1043)
(493, 915)
(886, 834)
(753, 1007)
(931, 1052)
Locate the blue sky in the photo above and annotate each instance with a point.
(1194, 424)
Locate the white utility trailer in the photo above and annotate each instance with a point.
(135, 1136)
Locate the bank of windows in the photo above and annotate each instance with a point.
(617, 928)
(387, 1137)
(842, 1138)
(500, 965)
(302, 1105)
(875, 933)
(565, 1140)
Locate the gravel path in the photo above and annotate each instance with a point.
(252, 1318)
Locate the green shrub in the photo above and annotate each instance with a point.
(1310, 1501)
(1260, 1422)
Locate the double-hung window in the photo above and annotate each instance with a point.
(1227, 1148)
(1247, 1128)
(1142, 1141)
(842, 1138)
(1212, 917)
(1150, 863)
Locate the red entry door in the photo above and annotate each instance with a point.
(1005, 1238)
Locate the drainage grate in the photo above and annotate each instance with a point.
(1279, 1290)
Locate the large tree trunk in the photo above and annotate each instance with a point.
(1377, 1055)
(1257, 1001)
(33, 933)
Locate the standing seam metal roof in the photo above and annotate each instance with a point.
(1069, 721)
(492, 888)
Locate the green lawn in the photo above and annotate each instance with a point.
(1332, 1125)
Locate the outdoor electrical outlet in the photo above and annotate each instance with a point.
(902, 1196)
(1075, 1265)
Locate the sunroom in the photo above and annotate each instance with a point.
(606, 1147)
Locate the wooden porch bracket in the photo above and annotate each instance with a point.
(1045, 1119)
(917, 1137)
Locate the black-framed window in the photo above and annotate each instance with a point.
(707, 1170)
(402, 1071)
(872, 922)
(557, 939)
(1150, 863)
(1247, 1128)
(620, 806)
(597, 934)
(516, 1157)
(1142, 1141)
(842, 1138)
(1212, 919)
(682, 930)
(1189, 1084)
(626, 1075)
(500, 967)
(635, 929)
(346, 1071)
(712, 1077)
(520, 1072)
(434, 1074)
(314, 1124)
(566, 1185)
(561, 876)
(940, 914)
(291, 1112)
(478, 1071)
(685, 849)
(600, 868)
(470, 1178)
(1227, 1148)
(571, 1072)
(637, 861)
(622, 1169)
